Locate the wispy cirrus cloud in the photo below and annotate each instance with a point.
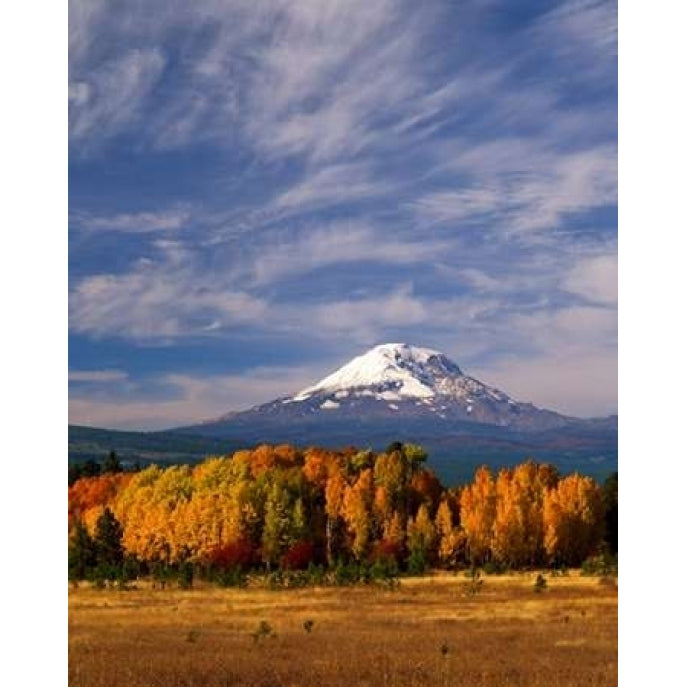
(160, 299)
(518, 186)
(338, 243)
(134, 222)
(111, 98)
(332, 185)
(595, 278)
(98, 376)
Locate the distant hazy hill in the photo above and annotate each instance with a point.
(144, 447)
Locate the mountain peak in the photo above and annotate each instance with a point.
(393, 383)
(410, 371)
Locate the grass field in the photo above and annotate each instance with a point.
(430, 631)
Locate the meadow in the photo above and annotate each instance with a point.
(440, 629)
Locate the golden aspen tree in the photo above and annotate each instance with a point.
(382, 505)
(357, 506)
(422, 533)
(394, 529)
(316, 466)
(276, 530)
(451, 540)
(573, 519)
(391, 473)
(334, 495)
(477, 513)
(508, 532)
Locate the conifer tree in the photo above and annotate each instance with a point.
(112, 464)
(82, 552)
(108, 541)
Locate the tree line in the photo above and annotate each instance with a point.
(280, 508)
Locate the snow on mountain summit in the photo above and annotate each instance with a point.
(398, 371)
(390, 365)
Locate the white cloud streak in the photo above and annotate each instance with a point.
(338, 243)
(197, 398)
(98, 376)
(111, 97)
(136, 222)
(163, 299)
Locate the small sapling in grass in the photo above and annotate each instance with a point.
(540, 583)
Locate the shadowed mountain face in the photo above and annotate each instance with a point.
(398, 391)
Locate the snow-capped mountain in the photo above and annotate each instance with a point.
(397, 380)
(408, 393)
(408, 379)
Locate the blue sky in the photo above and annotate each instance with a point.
(260, 191)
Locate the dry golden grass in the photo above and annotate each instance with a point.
(505, 635)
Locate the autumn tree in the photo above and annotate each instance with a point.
(284, 522)
(573, 520)
(421, 540)
(415, 455)
(451, 540)
(477, 514)
(334, 496)
(391, 474)
(357, 512)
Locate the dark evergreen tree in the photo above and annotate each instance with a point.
(82, 553)
(75, 472)
(108, 541)
(112, 464)
(394, 446)
(610, 499)
(90, 468)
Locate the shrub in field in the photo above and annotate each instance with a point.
(229, 577)
(262, 631)
(540, 583)
(299, 556)
(387, 550)
(348, 573)
(476, 581)
(493, 568)
(417, 562)
(185, 575)
(316, 574)
(602, 564)
(162, 573)
(239, 554)
(131, 568)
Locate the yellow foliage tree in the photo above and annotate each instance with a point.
(573, 520)
(477, 514)
(357, 507)
(451, 538)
